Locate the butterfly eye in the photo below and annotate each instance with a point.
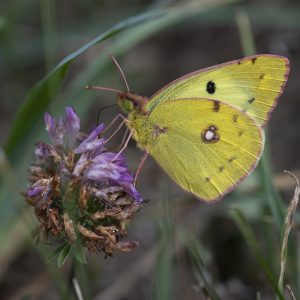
(211, 87)
(135, 105)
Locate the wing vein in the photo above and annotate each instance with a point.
(239, 147)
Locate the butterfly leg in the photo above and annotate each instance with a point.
(119, 127)
(124, 147)
(146, 154)
(114, 120)
(124, 138)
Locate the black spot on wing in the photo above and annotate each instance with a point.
(211, 87)
(231, 159)
(253, 60)
(251, 100)
(216, 106)
(235, 118)
(262, 76)
(221, 169)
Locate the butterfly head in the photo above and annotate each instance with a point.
(130, 102)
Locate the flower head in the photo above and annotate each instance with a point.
(79, 190)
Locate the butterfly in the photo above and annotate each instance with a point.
(206, 129)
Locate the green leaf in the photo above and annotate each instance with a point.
(78, 252)
(55, 252)
(63, 255)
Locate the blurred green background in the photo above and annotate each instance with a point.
(50, 50)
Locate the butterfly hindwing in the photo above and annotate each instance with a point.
(252, 84)
(206, 146)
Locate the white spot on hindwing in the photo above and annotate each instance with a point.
(210, 134)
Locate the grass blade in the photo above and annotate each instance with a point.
(195, 252)
(273, 199)
(39, 97)
(286, 231)
(249, 236)
(164, 260)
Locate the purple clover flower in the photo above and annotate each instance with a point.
(77, 187)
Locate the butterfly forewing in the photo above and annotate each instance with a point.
(252, 84)
(206, 146)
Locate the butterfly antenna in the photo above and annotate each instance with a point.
(102, 88)
(102, 109)
(120, 69)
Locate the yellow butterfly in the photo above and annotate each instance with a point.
(205, 129)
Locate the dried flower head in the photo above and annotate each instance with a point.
(81, 192)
